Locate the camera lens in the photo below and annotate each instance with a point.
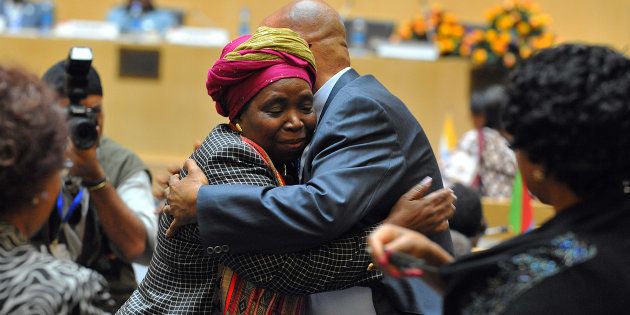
(83, 132)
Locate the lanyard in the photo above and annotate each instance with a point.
(73, 206)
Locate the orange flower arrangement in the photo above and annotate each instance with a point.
(439, 26)
(515, 30)
(414, 29)
(448, 32)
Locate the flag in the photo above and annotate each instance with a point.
(520, 215)
(448, 139)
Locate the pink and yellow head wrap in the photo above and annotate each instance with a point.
(251, 62)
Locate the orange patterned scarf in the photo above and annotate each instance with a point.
(239, 296)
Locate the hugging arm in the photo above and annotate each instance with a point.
(330, 266)
(345, 262)
(353, 173)
(336, 265)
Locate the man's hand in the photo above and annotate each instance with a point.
(425, 214)
(159, 191)
(181, 197)
(162, 179)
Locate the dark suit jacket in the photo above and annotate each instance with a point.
(367, 150)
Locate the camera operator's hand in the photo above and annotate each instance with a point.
(85, 163)
(121, 225)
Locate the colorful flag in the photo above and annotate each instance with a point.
(520, 216)
(448, 139)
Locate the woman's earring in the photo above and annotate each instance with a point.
(238, 127)
(538, 175)
(35, 201)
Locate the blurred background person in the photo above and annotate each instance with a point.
(34, 137)
(108, 218)
(483, 159)
(143, 15)
(19, 14)
(467, 224)
(569, 115)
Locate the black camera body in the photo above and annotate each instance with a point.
(82, 121)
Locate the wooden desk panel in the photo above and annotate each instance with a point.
(496, 212)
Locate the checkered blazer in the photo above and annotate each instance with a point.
(183, 278)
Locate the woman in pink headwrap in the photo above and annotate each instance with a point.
(263, 84)
(266, 93)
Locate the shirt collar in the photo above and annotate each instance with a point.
(321, 96)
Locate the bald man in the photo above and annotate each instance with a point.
(367, 150)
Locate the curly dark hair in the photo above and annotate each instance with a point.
(569, 111)
(34, 137)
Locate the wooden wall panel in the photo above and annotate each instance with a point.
(161, 118)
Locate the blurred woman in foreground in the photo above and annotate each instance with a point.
(569, 115)
(33, 137)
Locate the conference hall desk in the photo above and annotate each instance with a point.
(161, 117)
(496, 212)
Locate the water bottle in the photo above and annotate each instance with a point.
(358, 34)
(358, 37)
(243, 22)
(47, 16)
(135, 15)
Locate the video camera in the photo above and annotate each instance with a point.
(82, 120)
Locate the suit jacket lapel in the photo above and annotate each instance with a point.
(346, 78)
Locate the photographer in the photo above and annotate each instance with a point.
(104, 218)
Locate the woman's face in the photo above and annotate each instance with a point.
(280, 118)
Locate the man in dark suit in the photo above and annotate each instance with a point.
(367, 150)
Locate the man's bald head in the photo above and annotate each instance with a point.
(313, 20)
(321, 26)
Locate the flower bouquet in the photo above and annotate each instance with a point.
(438, 26)
(515, 30)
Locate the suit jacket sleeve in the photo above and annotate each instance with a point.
(357, 167)
(331, 266)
